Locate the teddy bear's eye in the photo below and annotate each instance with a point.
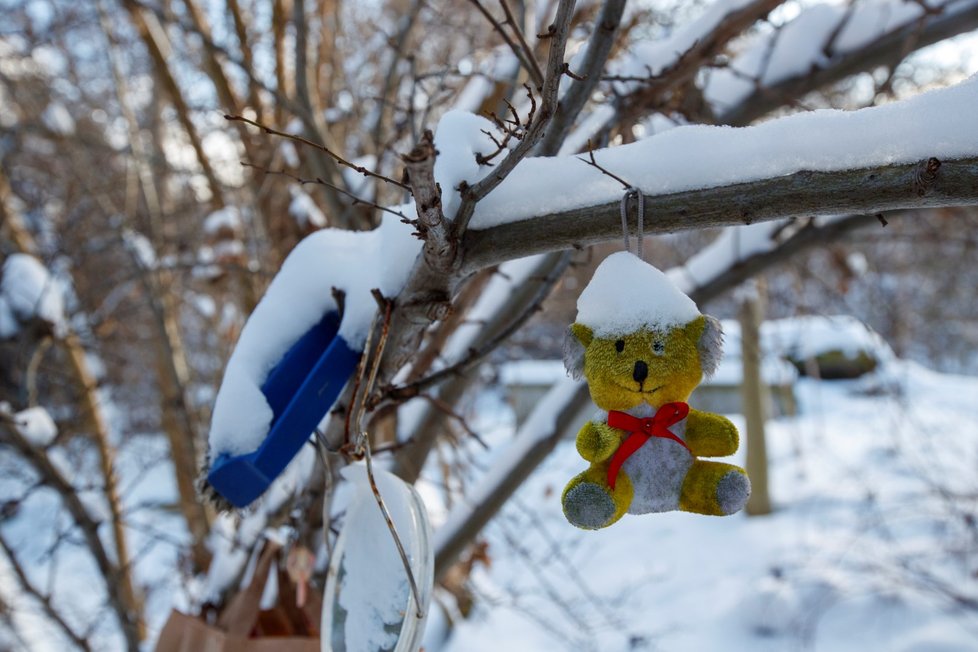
(658, 347)
(620, 346)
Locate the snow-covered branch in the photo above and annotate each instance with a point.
(918, 153)
(825, 44)
(861, 190)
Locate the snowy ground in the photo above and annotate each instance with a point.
(873, 544)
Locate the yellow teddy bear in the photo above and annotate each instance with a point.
(643, 347)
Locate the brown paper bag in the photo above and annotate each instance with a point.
(243, 627)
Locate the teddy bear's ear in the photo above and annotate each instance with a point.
(582, 333)
(575, 342)
(710, 346)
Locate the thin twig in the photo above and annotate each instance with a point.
(535, 70)
(318, 181)
(55, 479)
(447, 410)
(410, 390)
(471, 195)
(49, 610)
(592, 162)
(305, 141)
(363, 444)
(517, 52)
(419, 608)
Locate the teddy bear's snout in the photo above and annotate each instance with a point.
(640, 372)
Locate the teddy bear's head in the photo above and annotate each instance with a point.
(654, 366)
(639, 339)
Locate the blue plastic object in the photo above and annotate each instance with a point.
(300, 390)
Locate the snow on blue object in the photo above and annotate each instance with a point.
(300, 390)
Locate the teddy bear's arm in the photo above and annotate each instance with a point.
(711, 435)
(597, 441)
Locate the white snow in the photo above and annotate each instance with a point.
(531, 372)
(938, 123)
(809, 336)
(228, 218)
(140, 247)
(34, 423)
(303, 208)
(627, 294)
(28, 291)
(458, 138)
(57, 118)
(298, 297)
(731, 246)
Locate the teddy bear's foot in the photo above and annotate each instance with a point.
(714, 488)
(589, 506)
(733, 490)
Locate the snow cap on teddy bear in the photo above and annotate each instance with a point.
(626, 294)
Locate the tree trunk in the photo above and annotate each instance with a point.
(756, 401)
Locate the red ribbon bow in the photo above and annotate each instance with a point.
(641, 431)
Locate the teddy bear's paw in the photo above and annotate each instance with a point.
(733, 490)
(589, 506)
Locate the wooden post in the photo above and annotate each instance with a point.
(756, 400)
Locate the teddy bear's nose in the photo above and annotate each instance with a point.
(641, 371)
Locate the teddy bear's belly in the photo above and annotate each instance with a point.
(657, 471)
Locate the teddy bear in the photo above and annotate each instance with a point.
(643, 347)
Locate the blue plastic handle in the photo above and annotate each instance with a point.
(300, 390)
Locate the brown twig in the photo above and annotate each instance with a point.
(410, 390)
(535, 70)
(517, 52)
(447, 410)
(517, 131)
(322, 182)
(593, 163)
(45, 600)
(579, 93)
(305, 141)
(440, 249)
(471, 195)
(54, 478)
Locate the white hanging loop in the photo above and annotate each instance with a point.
(640, 197)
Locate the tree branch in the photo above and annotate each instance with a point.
(457, 532)
(598, 49)
(53, 477)
(531, 66)
(655, 91)
(471, 195)
(440, 247)
(806, 238)
(862, 190)
(44, 600)
(888, 50)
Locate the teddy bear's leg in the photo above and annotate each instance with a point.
(590, 504)
(714, 488)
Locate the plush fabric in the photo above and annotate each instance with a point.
(638, 372)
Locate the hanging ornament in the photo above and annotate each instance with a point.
(643, 347)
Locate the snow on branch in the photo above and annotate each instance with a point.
(824, 43)
(917, 153)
